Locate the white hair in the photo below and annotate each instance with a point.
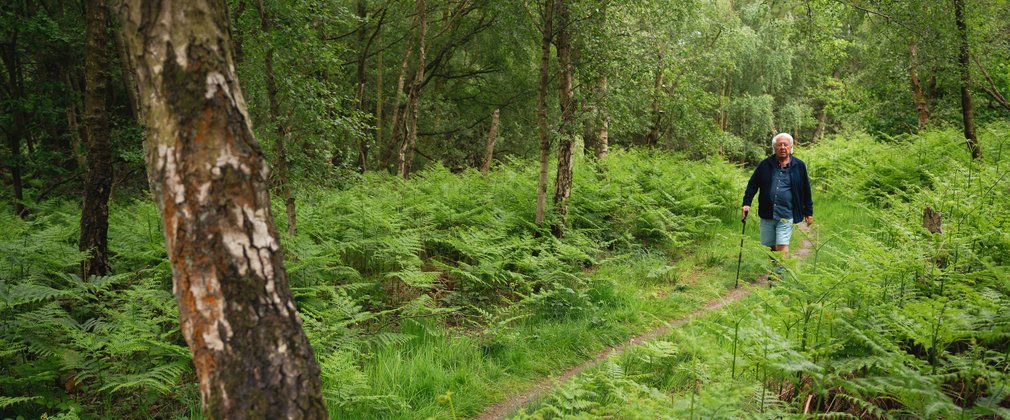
(781, 135)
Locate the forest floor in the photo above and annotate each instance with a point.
(515, 402)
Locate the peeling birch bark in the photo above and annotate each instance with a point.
(492, 136)
(405, 160)
(921, 107)
(547, 35)
(566, 143)
(209, 178)
(967, 110)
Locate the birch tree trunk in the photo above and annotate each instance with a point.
(281, 128)
(657, 90)
(406, 156)
(359, 92)
(94, 237)
(602, 121)
(722, 103)
(73, 127)
(566, 143)
(724, 124)
(16, 87)
(921, 107)
(378, 100)
(601, 114)
(967, 112)
(396, 134)
(209, 179)
(492, 136)
(547, 33)
(822, 121)
(129, 82)
(589, 129)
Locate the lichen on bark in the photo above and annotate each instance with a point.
(209, 178)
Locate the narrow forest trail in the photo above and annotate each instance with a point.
(515, 402)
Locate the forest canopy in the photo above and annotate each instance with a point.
(506, 185)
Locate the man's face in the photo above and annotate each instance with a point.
(782, 148)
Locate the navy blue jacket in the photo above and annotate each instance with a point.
(803, 204)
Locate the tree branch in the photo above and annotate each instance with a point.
(878, 13)
(447, 51)
(478, 72)
(992, 90)
(358, 27)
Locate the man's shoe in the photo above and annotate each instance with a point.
(778, 273)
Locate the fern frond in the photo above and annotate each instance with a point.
(868, 408)
(9, 401)
(27, 293)
(163, 379)
(415, 278)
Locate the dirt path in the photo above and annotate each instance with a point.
(514, 402)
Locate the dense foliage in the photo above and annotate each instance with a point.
(698, 76)
(438, 295)
(376, 267)
(884, 320)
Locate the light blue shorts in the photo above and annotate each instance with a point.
(776, 232)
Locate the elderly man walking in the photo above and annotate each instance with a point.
(784, 197)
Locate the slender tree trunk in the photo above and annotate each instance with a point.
(378, 99)
(20, 120)
(396, 134)
(967, 112)
(602, 121)
(30, 142)
(931, 94)
(595, 131)
(125, 64)
(359, 93)
(822, 114)
(822, 120)
(281, 128)
(73, 126)
(282, 177)
(94, 237)
(57, 137)
(209, 179)
(657, 90)
(921, 107)
(14, 144)
(362, 13)
(492, 136)
(722, 103)
(545, 139)
(406, 156)
(236, 39)
(729, 100)
(566, 142)
(280, 145)
(601, 109)
(589, 129)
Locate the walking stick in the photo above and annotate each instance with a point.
(739, 259)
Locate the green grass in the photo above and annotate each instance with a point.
(630, 291)
(883, 320)
(478, 369)
(439, 296)
(409, 290)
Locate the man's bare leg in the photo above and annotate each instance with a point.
(779, 254)
(784, 249)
